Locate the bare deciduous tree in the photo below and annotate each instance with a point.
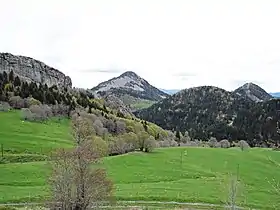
(75, 183)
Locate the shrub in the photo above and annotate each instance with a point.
(212, 142)
(98, 127)
(102, 145)
(17, 102)
(149, 144)
(60, 110)
(142, 137)
(27, 114)
(243, 145)
(225, 144)
(130, 140)
(120, 127)
(167, 143)
(31, 101)
(117, 146)
(4, 106)
(36, 113)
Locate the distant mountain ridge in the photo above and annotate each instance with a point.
(207, 111)
(276, 95)
(129, 85)
(170, 91)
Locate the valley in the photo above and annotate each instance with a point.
(203, 176)
(195, 147)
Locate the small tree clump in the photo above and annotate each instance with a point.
(243, 145)
(142, 138)
(212, 142)
(117, 146)
(149, 144)
(4, 106)
(60, 110)
(16, 102)
(37, 113)
(225, 144)
(31, 101)
(167, 143)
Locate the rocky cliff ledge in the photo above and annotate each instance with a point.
(29, 69)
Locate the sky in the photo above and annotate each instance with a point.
(173, 44)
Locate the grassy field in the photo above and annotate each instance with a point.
(201, 175)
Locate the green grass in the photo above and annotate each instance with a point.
(160, 176)
(29, 137)
(142, 104)
(201, 176)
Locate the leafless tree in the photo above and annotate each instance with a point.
(16, 102)
(234, 190)
(232, 193)
(75, 183)
(4, 106)
(243, 145)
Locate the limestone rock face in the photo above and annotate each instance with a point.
(31, 70)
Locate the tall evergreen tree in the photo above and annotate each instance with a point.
(178, 137)
(5, 77)
(17, 82)
(11, 76)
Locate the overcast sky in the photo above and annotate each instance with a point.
(173, 44)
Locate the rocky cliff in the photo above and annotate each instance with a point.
(29, 69)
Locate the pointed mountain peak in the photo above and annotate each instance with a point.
(130, 74)
(253, 92)
(132, 85)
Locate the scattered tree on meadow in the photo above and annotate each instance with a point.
(75, 184)
(178, 137)
(212, 142)
(225, 144)
(243, 145)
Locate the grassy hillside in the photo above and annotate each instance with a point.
(202, 176)
(28, 137)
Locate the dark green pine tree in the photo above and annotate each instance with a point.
(1, 78)
(178, 137)
(17, 82)
(5, 77)
(11, 76)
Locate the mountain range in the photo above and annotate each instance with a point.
(248, 112)
(275, 95)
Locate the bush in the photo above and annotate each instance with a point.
(31, 101)
(17, 102)
(117, 146)
(212, 142)
(131, 141)
(4, 106)
(37, 113)
(120, 127)
(225, 144)
(60, 110)
(167, 143)
(149, 144)
(243, 145)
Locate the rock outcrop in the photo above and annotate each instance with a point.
(31, 70)
(129, 83)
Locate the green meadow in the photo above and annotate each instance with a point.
(167, 174)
